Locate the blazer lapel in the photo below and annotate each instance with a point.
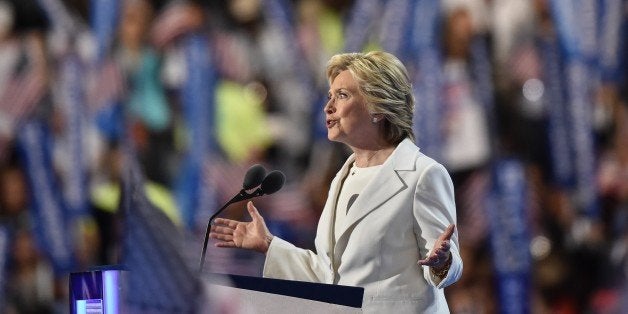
(328, 216)
(386, 184)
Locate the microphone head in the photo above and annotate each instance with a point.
(273, 182)
(254, 177)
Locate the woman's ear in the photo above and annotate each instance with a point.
(376, 117)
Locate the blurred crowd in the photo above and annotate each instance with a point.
(244, 80)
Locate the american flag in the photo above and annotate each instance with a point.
(472, 197)
(160, 277)
(105, 86)
(22, 94)
(176, 19)
(225, 177)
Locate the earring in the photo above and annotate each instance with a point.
(375, 120)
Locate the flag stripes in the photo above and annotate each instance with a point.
(106, 85)
(22, 94)
(160, 279)
(472, 197)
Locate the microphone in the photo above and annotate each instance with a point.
(272, 183)
(255, 176)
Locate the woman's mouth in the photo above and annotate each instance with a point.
(331, 123)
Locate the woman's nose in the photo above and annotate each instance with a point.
(329, 106)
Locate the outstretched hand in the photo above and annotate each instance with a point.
(439, 255)
(252, 235)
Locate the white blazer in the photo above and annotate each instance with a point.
(390, 226)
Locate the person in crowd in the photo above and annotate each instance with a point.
(30, 286)
(150, 114)
(389, 221)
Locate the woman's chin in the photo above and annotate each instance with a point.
(333, 136)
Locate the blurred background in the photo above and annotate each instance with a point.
(524, 102)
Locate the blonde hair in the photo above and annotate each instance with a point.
(383, 81)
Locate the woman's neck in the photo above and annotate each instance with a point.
(372, 156)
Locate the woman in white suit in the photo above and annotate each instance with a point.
(389, 221)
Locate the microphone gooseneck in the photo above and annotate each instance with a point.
(255, 176)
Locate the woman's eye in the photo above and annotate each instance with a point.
(342, 95)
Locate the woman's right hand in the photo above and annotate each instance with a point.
(253, 235)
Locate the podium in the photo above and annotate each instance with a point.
(102, 291)
(267, 295)
(97, 291)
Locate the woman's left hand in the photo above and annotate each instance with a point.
(253, 235)
(440, 255)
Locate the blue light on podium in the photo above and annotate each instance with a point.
(93, 306)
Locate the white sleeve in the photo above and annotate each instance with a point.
(286, 261)
(434, 210)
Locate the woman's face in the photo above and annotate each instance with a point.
(346, 114)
